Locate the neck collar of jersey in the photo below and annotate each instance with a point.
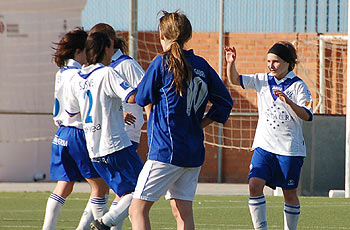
(70, 64)
(116, 55)
(282, 84)
(86, 71)
(188, 52)
(289, 75)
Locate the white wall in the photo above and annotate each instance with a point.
(27, 30)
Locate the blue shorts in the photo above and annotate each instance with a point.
(276, 170)
(70, 159)
(120, 170)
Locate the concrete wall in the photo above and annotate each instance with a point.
(27, 30)
(324, 166)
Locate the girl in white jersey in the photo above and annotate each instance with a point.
(179, 85)
(70, 161)
(97, 93)
(284, 101)
(133, 73)
(133, 113)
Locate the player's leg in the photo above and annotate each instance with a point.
(122, 179)
(259, 175)
(153, 182)
(181, 194)
(257, 203)
(139, 214)
(291, 209)
(113, 207)
(63, 170)
(55, 203)
(98, 199)
(291, 169)
(183, 214)
(117, 215)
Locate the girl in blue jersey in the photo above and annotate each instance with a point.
(179, 85)
(70, 161)
(284, 101)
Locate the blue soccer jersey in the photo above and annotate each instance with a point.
(174, 130)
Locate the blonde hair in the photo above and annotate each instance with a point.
(176, 28)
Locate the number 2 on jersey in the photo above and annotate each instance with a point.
(88, 118)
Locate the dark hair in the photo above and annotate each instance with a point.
(95, 47)
(119, 43)
(293, 60)
(66, 47)
(177, 28)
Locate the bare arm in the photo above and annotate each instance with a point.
(206, 121)
(131, 98)
(299, 111)
(148, 110)
(231, 71)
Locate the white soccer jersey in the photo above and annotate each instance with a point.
(62, 84)
(97, 92)
(133, 73)
(279, 129)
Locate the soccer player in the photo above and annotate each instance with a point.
(133, 73)
(284, 102)
(133, 113)
(179, 85)
(97, 93)
(70, 161)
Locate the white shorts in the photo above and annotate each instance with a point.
(158, 178)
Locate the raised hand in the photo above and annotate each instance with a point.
(230, 54)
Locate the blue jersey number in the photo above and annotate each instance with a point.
(57, 108)
(88, 118)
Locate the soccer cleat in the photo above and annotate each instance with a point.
(99, 225)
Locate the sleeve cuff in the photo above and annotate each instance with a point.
(241, 81)
(311, 115)
(129, 94)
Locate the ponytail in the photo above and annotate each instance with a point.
(177, 28)
(178, 65)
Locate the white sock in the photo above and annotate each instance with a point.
(257, 208)
(98, 207)
(87, 217)
(119, 213)
(119, 226)
(291, 216)
(53, 211)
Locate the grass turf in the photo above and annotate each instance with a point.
(25, 210)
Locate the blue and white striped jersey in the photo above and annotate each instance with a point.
(62, 84)
(279, 129)
(97, 92)
(174, 130)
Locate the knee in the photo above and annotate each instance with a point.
(64, 188)
(139, 208)
(256, 188)
(291, 196)
(182, 210)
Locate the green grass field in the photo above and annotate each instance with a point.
(25, 210)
